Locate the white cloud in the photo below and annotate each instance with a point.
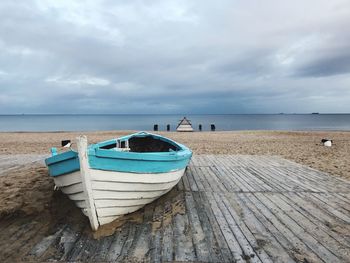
(79, 80)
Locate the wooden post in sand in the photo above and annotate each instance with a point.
(86, 181)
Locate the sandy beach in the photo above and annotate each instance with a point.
(27, 191)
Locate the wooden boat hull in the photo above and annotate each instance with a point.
(116, 193)
(107, 182)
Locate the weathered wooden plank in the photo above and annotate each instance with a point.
(140, 248)
(133, 229)
(314, 184)
(215, 236)
(88, 250)
(314, 230)
(333, 202)
(156, 238)
(220, 185)
(274, 184)
(119, 239)
(102, 249)
(344, 197)
(280, 180)
(78, 248)
(321, 220)
(183, 247)
(197, 179)
(230, 238)
(327, 220)
(40, 248)
(330, 183)
(65, 244)
(167, 248)
(191, 181)
(242, 230)
(185, 180)
(315, 245)
(327, 208)
(224, 181)
(207, 229)
(198, 236)
(234, 179)
(264, 239)
(212, 184)
(293, 245)
(246, 246)
(202, 178)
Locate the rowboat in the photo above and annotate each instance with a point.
(119, 176)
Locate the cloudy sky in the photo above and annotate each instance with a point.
(174, 56)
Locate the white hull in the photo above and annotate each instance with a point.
(107, 195)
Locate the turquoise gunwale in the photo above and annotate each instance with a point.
(63, 163)
(123, 161)
(152, 162)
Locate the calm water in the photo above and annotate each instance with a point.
(146, 122)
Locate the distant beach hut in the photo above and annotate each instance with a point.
(184, 126)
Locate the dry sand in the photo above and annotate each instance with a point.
(26, 193)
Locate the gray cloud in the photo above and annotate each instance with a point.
(171, 57)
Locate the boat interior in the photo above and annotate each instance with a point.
(142, 144)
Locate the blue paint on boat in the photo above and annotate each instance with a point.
(123, 161)
(63, 163)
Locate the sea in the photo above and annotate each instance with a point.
(144, 122)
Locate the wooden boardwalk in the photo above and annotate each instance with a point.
(227, 208)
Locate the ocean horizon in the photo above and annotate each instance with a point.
(223, 122)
